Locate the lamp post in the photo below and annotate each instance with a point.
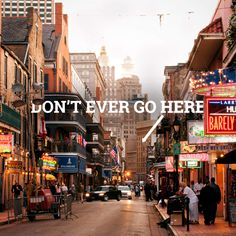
(176, 136)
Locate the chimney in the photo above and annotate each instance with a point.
(59, 15)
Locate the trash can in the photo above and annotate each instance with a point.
(175, 208)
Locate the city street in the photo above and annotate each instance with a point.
(127, 217)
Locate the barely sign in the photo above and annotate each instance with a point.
(220, 115)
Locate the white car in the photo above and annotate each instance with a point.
(125, 191)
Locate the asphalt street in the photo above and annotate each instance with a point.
(113, 218)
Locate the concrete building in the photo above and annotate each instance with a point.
(89, 70)
(112, 122)
(18, 8)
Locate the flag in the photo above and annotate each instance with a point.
(113, 152)
(84, 142)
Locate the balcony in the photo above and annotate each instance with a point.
(65, 146)
(95, 159)
(10, 117)
(69, 118)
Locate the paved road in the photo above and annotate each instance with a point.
(127, 217)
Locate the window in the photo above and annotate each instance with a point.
(5, 71)
(16, 73)
(45, 82)
(29, 64)
(36, 34)
(35, 73)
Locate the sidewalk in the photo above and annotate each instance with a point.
(4, 218)
(220, 228)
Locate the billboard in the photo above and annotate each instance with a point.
(196, 134)
(220, 116)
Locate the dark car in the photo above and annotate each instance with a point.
(104, 193)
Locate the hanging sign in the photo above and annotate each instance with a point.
(48, 163)
(14, 165)
(220, 113)
(6, 142)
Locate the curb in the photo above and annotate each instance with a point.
(6, 222)
(171, 229)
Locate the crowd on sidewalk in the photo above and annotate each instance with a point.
(203, 198)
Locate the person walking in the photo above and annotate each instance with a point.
(16, 190)
(193, 202)
(81, 192)
(197, 189)
(147, 190)
(216, 199)
(206, 200)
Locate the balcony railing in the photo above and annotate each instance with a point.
(67, 146)
(66, 117)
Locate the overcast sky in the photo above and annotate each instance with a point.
(133, 28)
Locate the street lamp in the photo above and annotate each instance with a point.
(176, 136)
(19, 89)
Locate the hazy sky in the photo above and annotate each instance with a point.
(132, 28)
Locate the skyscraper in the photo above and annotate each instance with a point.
(111, 121)
(18, 8)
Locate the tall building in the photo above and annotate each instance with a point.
(130, 89)
(89, 70)
(142, 163)
(112, 122)
(45, 8)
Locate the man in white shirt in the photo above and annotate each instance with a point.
(198, 187)
(193, 203)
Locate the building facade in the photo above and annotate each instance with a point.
(112, 122)
(18, 8)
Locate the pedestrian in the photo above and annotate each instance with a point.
(147, 190)
(81, 192)
(216, 200)
(16, 190)
(52, 188)
(206, 199)
(197, 189)
(193, 202)
(73, 191)
(64, 189)
(137, 190)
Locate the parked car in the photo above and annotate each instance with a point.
(104, 193)
(125, 191)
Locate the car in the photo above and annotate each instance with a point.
(125, 191)
(104, 193)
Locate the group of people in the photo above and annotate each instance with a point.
(202, 197)
(56, 189)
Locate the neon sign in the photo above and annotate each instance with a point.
(220, 115)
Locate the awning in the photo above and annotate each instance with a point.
(228, 158)
(205, 49)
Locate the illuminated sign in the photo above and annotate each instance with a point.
(220, 115)
(191, 164)
(196, 135)
(48, 163)
(14, 165)
(194, 157)
(6, 142)
(186, 148)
